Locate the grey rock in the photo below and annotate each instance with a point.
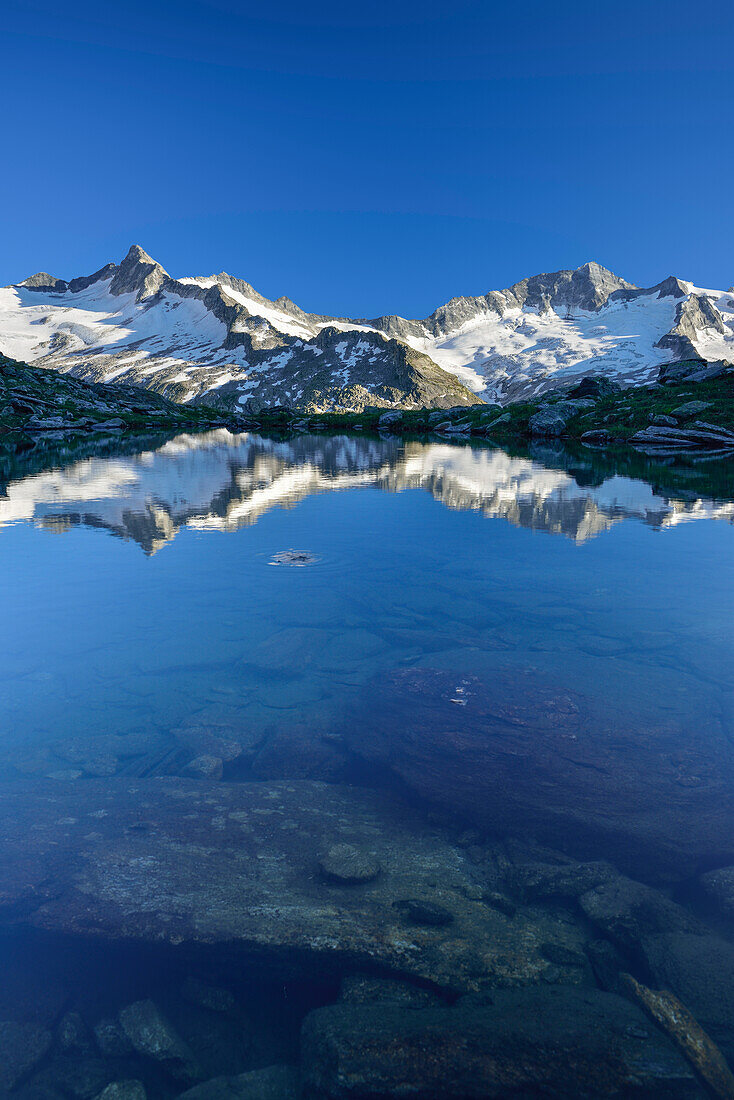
(139, 274)
(629, 911)
(551, 420)
(235, 863)
(691, 408)
(719, 886)
(660, 418)
(699, 969)
(271, 1083)
(205, 767)
(390, 420)
(535, 881)
(152, 1035)
(111, 1039)
(555, 1041)
(75, 1075)
(22, 1046)
(595, 386)
(361, 989)
(599, 437)
(73, 1033)
(346, 864)
(417, 911)
(123, 1090)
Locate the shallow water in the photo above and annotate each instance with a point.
(452, 598)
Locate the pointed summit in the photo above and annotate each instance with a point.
(138, 273)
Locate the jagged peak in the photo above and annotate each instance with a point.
(138, 272)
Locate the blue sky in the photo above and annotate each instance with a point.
(369, 158)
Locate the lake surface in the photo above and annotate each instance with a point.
(501, 667)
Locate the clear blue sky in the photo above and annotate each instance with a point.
(369, 158)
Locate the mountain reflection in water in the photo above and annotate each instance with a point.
(220, 481)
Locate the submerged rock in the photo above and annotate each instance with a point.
(123, 1090)
(685, 1031)
(517, 756)
(347, 864)
(152, 1035)
(271, 1083)
(700, 971)
(293, 557)
(184, 861)
(22, 1046)
(424, 912)
(533, 1042)
(629, 911)
(719, 886)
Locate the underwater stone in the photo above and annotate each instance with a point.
(22, 1046)
(544, 1041)
(424, 912)
(152, 1035)
(348, 865)
(123, 1090)
(111, 1039)
(205, 767)
(675, 1019)
(270, 1083)
(719, 886)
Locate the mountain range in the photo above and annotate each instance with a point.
(215, 339)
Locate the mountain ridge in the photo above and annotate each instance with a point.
(216, 338)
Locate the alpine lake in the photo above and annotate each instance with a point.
(359, 767)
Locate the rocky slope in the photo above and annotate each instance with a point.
(216, 338)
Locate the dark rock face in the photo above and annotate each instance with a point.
(138, 273)
(517, 756)
(535, 1042)
(693, 315)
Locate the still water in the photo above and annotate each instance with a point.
(476, 743)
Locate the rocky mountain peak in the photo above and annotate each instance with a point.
(43, 281)
(138, 273)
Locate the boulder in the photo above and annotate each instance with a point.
(700, 971)
(534, 1042)
(123, 1090)
(719, 886)
(349, 865)
(691, 408)
(271, 1083)
(153, 1036)
(628, 911)
(192, 862)
(596, 386)
(22, 1046)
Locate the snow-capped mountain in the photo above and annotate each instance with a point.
(215, 338)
